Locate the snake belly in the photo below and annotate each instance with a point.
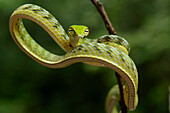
(91, 52)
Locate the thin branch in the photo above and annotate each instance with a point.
(123, 108)
(103, 13)
(111, 30)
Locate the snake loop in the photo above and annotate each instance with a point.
(99, 52)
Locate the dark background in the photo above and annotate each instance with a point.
(28, 87)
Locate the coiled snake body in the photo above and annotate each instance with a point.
(109, 50)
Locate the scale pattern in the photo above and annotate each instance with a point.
(107, 51)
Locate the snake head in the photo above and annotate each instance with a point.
(77, 32)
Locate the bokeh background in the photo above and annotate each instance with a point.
(28, 87)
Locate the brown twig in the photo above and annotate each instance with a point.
(111, 30)
(123, 108)
(103, 13)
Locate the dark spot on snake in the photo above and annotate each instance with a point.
(109, 49)
(46, 17)
(98, 41)
(121, 56)
(85, 50)
(128, 67)
(86, 44)
(37, 10)
(107, 38)
(56, 25)
(132, 67)
(123, 60)
(73, 51)
(70, 51)
(120, 39)
(22, 36)
(63, 36)
(79, 48)
(109, 54)
(96, 44)
(118, 42)
(50, 15)
(97, 49)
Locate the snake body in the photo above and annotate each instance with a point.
(109, 50)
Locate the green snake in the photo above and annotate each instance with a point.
(108, 51)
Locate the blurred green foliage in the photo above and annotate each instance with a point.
(28, 87)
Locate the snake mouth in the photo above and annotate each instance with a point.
(79, 36)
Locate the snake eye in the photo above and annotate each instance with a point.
(86, 32)
(71, 31)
